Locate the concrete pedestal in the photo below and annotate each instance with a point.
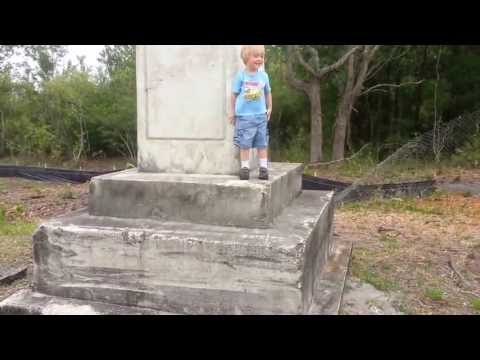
(327, 296)
(207, 199)
(188, 268)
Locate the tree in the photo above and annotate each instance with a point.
(6, 52)
(46, 57)
(117, 58)
(118, 93)
(358, 65)
(313, 71)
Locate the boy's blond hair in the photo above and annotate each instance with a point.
(248, 50)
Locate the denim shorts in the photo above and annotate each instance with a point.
(251, 132)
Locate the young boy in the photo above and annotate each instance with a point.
(252, 106)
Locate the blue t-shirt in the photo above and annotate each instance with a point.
(251, 90)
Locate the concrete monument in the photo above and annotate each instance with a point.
(181, 233)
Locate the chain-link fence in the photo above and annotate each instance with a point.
(443, 140)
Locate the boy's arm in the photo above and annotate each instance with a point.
(269, 105)
(233, 101)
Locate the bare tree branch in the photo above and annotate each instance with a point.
(304, 63)
(339, 63)
(368, 54)
(375, 88)
(290, 74)
(315, 58)
(340, 160)
(376, 68)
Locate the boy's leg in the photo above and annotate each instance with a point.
(263, 157)
(245, 164)
(260, 142)
(263, 160)
(244, 137)
(245, 158)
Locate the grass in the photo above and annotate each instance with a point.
(18, 226)
(434, 294)
(67, 193)
(363, 269)
(476, 304)
(365, 167)
(15, 235)
(390, 242)
(36, 186)
(15, 248)
(376, 280)
(407, 204)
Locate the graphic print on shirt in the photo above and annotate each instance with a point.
(253, 90)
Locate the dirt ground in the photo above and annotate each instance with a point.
(423, 253)
(412, 256)
(23, 205)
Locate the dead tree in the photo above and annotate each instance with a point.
(312, 87)
(358, 66)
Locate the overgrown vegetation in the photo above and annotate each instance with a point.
(70, 113)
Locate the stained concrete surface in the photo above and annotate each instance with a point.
(361, 298)
(27, 302)
(197, 198)
(185, 267)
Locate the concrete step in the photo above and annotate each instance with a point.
(27, 302)
(327, 297)
(204, 199)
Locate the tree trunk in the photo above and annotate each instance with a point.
(339, 137)
(348, 141)
(419, 89)
(344, 112)
(316, 133)
(357, 72)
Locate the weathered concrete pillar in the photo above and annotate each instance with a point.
(183, 97)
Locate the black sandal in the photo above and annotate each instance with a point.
(263, 173)
(244, 173)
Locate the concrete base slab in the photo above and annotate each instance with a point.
(328, 293)
(27, 302)
(206, 199)
(188, 268)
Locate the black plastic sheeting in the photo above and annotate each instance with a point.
(362, 192)
(48, 174)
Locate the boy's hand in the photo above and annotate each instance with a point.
(231, 119)
(269, 113)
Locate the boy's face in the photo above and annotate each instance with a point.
(255, 60)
